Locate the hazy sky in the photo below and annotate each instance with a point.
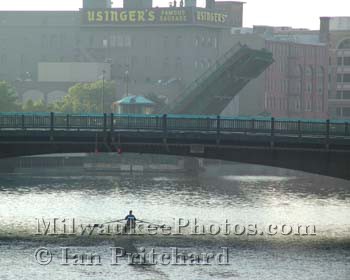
(296, 13)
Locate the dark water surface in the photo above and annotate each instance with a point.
(242, 199)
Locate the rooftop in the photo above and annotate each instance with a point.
(133, 99)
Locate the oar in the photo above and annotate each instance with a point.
(150, 223)
(96, 225)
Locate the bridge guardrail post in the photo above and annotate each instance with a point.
(104, 122)
(272, 127)
(157, 122)
(67, 121)
(327, 133)
(218, 129)
(112, 123)
(346, 129)
(165, 128)
(272, 141)
(52, 121)
(23, 122)
(112, 137)
(299, 128)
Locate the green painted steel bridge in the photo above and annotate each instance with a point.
(216, 87)
(316, 146)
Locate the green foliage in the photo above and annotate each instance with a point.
(8, 98)
(87, 98)
(35, 106)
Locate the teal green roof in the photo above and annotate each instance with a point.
(133, 99)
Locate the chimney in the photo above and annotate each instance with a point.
(97, 4)
(190, 3)
(324, 29)
(210, 4)
(137, 4)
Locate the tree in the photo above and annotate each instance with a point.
(87, 98)
(8, 98)
(35, 106)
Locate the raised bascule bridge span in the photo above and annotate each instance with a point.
(211, 92)
(315, 146)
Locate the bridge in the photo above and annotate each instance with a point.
(315, 146)
(221, 82)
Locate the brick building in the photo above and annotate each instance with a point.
(295, 85)
(335, 31)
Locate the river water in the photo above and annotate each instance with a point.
(242, 199)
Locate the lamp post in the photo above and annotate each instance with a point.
(103, 91)
(127, 82)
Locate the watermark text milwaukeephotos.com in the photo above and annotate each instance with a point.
(179, 226)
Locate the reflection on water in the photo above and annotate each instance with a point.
(250, 199)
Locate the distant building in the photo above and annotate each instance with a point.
(133, 105)
(163, 50)
(295, 85)
(152, 44)
(335, 31)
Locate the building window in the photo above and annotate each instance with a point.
(166, 64)
(53, 41)
(112, 41)
(308, 106)
(178, 65)
(22, 59)
(347, 61)
(63, 40)
(320, 80)
(147, 61)
(203, 41)
(339, 78)
(196, 42)
(210, 42)
(344, 44)
(147, 42)
(44, 42)
(346, 112)
(119, 41)
(309, 87)
(91, 41)
(77, 40)
(105, 43)
(127, 41)
(339, 61)
(3, 59)
(338, 112)
(318, 106)
(297, 104)
(165, 41)
(338, 95)
(346, 78)
(308, 72)
(179, 41)
(209, 62)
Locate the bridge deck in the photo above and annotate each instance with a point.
(216, 87)
(317, 146)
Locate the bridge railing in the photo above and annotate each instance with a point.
(61, 121)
